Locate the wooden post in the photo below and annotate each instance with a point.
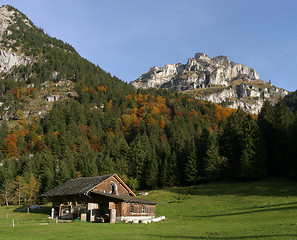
(60, 210)
(52, 213)
(112, 215)
(12, 222)
(71, 214)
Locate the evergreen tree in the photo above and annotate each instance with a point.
(150, 174)
(213, 161)
(191, 169)
(231, 144)
(238, 144)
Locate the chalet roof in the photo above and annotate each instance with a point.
(76, 186)
(125, 198)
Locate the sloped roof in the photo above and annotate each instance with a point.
(125, 198)
(76, 186)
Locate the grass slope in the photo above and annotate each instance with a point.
(260, 210)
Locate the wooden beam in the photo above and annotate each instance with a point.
(124, 184)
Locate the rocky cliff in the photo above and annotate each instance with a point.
(8, 57)
(217, 80)
(20, 97)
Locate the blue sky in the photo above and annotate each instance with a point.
(127, 37)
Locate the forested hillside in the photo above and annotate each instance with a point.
(151, 138)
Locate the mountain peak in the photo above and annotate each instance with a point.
(202, 56)
(217, 80)
(9, 17)
(5, 18)
(221, 59)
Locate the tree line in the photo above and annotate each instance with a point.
(151, 140)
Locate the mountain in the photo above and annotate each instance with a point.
(25, 93)
(217, 80)
(37, 70)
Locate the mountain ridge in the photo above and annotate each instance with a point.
(217, 80)
(37, 70)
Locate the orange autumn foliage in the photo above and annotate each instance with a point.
(102, 88)
(162, 123)
(10, 143)
(10, 146)
(56, 133)
(222, 113)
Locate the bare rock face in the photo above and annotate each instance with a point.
(5, 20)
(12, 55)
(9, 58)
(199, 72)
(213, 79)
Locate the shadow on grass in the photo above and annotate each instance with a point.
(272, 205)
(226, 238)
(251, 211)
(42, 210)
(263, 188)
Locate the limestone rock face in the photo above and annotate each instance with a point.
(213, 79)
(5, 20)
(9, 59)
(199, 72)
(13, 55)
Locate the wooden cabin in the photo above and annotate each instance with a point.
(99, 199)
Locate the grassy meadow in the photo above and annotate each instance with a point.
(259, 210)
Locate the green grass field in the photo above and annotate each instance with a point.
(259, 210)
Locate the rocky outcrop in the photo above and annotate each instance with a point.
(213, 79)
(199, 72)
(41, 103)
(9, 59)
(6, 17)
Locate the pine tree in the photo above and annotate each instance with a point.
(213, 160)
(231, 144)
(191, 168)
(150, 174)
(268, 140)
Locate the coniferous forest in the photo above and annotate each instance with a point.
(150, 138)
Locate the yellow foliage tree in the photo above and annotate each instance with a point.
(31, 189)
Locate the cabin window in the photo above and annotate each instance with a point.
(114, 188)
(142, 209)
